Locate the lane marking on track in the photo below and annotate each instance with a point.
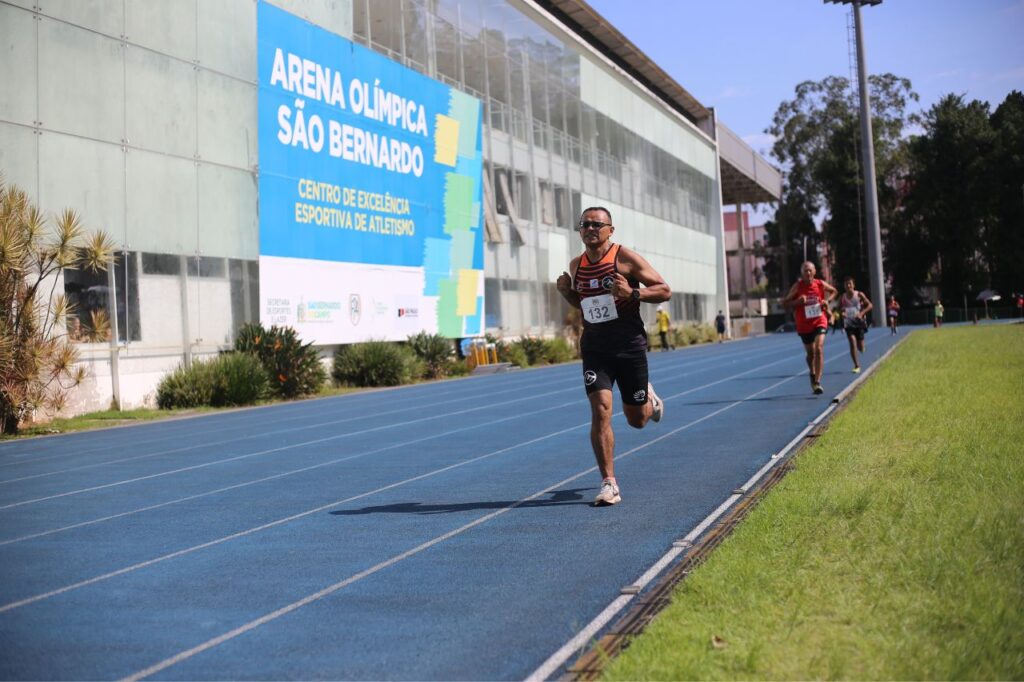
(304, 469)
(281, 448)
(418, 400)
(188, 550)
(274, 615)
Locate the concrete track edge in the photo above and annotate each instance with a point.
(685, 554)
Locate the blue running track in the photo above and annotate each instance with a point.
(436, 531)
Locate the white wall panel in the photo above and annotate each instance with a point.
(18, 47)
(228, 221)
(167, 26)
(161, 204)
(233, 51)
(227, 121)
(161, 103)
(86, 176)
(104, 16)
(18, 158)
(81, 82)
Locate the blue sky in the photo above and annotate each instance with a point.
(744, 57)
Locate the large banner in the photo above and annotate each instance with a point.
(370, 186)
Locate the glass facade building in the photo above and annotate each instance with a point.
(142, 116)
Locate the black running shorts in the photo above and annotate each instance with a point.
(809, 337)
(856, 332)
(628, 369)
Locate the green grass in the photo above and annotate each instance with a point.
(895, 550)
(101, 420)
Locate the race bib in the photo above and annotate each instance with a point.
(598, 309)
(812, 310)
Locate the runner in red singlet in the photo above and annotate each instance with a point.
(604, 283)
(810, 298)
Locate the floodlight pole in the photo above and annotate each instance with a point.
(868, 162)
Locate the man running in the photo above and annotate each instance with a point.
(811, 296)
(855, 307)
(893, 313)
(604, 282)
(939, 312)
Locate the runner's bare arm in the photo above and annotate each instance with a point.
(789, 300)
(564, 284)
(632, 264)
(865, 305)
(830, 291)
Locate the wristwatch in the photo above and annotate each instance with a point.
(635, 295)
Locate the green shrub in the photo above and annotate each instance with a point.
(558, 350)
(687, 335)
(533, 348)
(237, 379)
(512, 353)
(376, 363)
(435, 351)
(185, 387)
(228, 379)
(294, 368)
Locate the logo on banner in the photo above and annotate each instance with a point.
(408, 312)
(355, 308)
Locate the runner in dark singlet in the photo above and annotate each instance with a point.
(810, 298)
(604, 283)
(854, 306)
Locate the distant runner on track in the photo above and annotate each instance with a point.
(810, 297)
(854, 306)
(604, 282)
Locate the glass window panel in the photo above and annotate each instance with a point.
(244, 294)
(89, 295)
(415, 20)
(474, 64)
(360, 20)
(332, 15)
(160, 264)
(386, 26)
(446, 43)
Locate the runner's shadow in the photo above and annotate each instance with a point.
(559, 498)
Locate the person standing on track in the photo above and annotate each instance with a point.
(664, 328)
(604, 283)
(855, 307)
(893, 313)
(811, 296)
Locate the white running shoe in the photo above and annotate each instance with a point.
(656, 403)
(609, 494)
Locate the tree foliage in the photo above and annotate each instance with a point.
(817, 141)
(37, 359)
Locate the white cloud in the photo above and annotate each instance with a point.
(731, 92)
(759, 140)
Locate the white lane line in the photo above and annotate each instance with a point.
(463, 398)
(587, 634)
(236, 427)
(274, 615)
(308, 468)
(194, 548)
(286, 447)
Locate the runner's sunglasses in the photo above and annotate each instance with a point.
(597, 225)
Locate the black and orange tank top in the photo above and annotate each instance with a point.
(602, 331)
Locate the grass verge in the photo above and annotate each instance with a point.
(895, 550)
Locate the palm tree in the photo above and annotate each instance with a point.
(37, 358)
